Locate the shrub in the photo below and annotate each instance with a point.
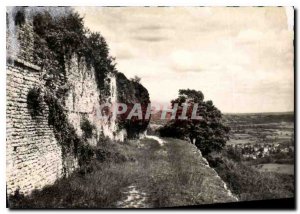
(34, 102)
(249, 184)
(108, 150)
(87, 128)
(66, 135)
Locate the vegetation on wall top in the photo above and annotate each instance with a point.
(131, 92)
(59, 37)
(34, 102)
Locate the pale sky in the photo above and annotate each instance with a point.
(241, 58)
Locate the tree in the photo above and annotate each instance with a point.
(136, 79)
(208, 133)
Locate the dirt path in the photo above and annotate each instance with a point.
(172, 172)
(133, 198)
(159, 140)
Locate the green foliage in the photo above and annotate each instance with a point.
(20, 17)
(34, 102)
(93, 190)
(249, 184)
(65, 132)
(110, 151)
(196, 96)
(96, 53)
(136, 79)
(87, 128)
(234, 154)
(131, 92)
(59, 37)
(98, 184)
(209, 133)
(159, 171)
(85, 154)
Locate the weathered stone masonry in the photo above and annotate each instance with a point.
(34, 157)
(32, 153)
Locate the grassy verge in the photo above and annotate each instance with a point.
(172, 175)
(249, 184)
(100, 187)
(179, 177)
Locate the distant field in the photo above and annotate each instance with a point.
(260, 128)
(273, 167)
(260, 118)
(239, 141)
